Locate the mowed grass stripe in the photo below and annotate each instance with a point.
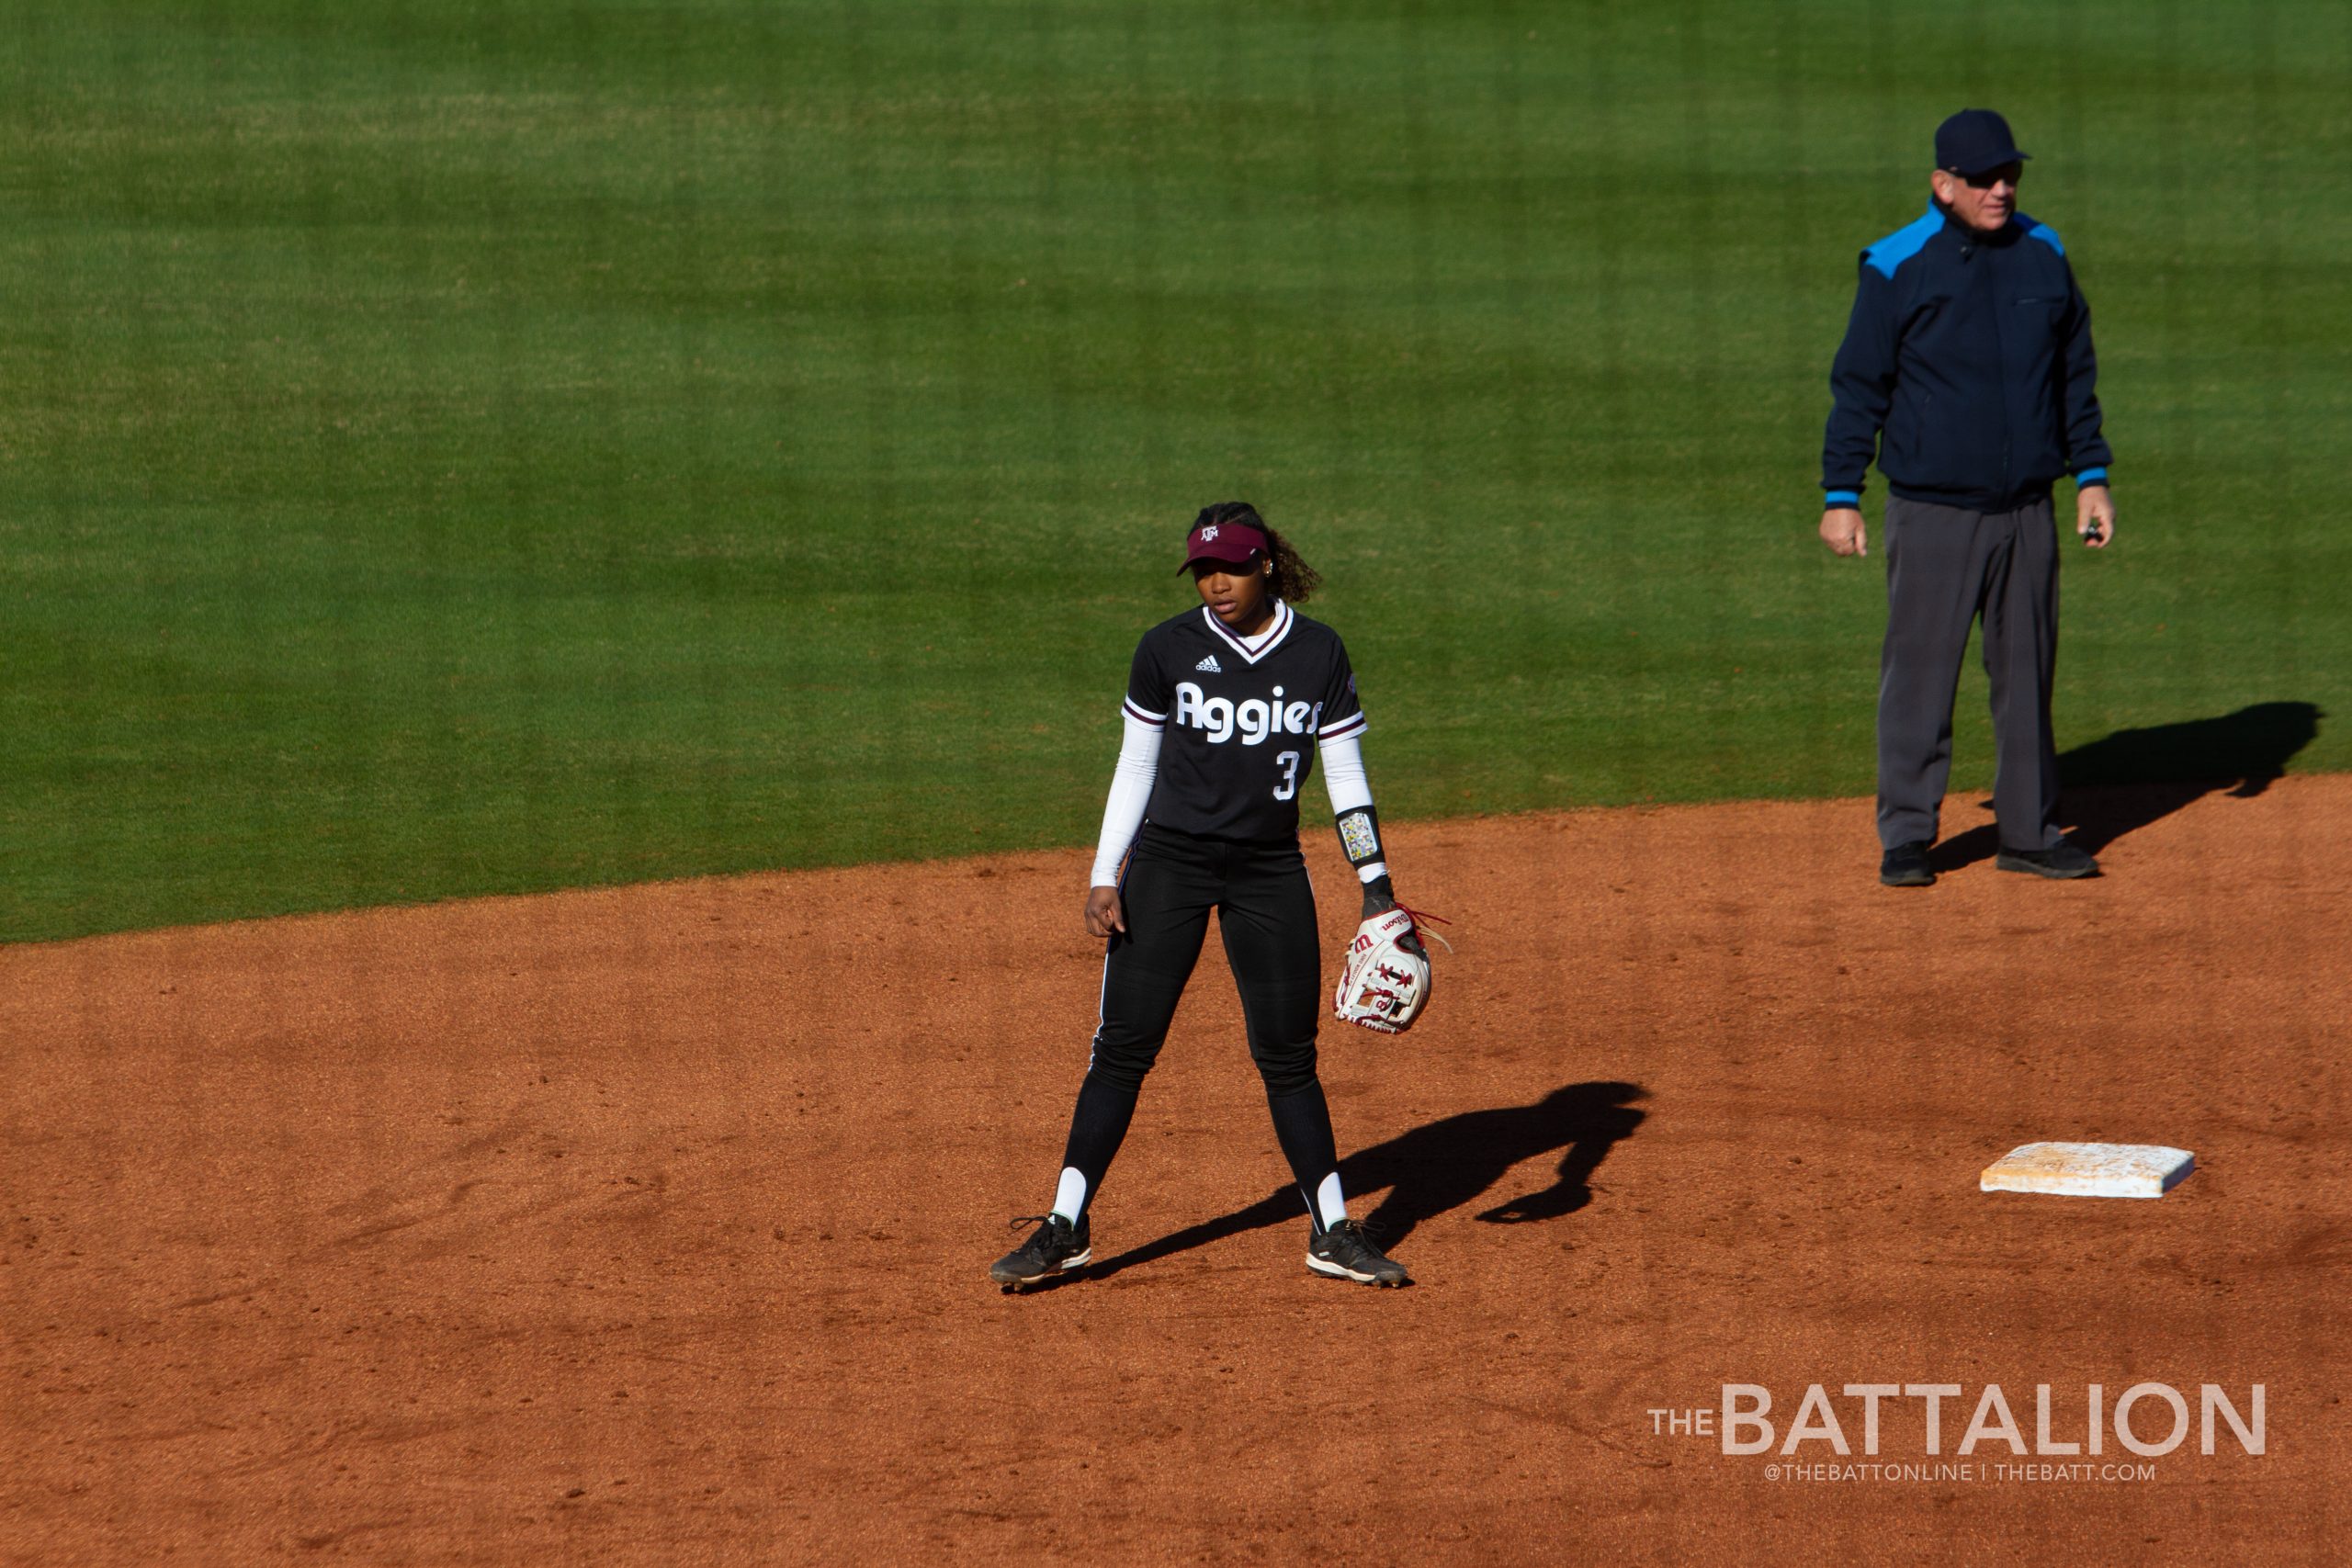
(456, 449)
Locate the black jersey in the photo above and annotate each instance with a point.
(1242, 719)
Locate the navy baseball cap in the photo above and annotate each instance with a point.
(1974, 140)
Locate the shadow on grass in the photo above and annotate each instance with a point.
(1445, 1165)
(2133, 777)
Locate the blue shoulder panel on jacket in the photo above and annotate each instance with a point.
(1902, 245)
(2035, 229)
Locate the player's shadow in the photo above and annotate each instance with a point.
(1443, 1164)
(2133, 777)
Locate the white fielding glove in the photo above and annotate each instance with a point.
(1384, 984)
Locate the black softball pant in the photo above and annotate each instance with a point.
(1265, 907)
(1266, 910)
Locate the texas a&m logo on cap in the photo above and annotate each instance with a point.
(1233, 544)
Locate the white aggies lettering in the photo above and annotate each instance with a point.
(1254, 718)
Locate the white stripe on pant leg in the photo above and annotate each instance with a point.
(1101, 1000)
(1103, 994)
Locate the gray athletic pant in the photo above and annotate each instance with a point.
(1944, 568)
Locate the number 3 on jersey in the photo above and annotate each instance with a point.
(1289, 764)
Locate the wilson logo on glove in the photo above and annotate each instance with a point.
(1385, 985)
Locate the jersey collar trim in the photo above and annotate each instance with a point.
(1253, 649)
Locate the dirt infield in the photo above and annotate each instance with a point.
(650, 1225)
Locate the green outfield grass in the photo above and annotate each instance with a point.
(452, 448)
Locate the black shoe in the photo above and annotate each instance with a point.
(2062, 860)
(1905, 865)
(1344, 1252)
(1055, 1247)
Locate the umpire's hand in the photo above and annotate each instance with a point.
(2094, 515)
(1842, 531)
(1103, 915)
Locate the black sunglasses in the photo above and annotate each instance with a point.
(1987, 178)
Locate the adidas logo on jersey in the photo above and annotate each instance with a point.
(1209, 664)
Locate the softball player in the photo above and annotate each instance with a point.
(1228, 706)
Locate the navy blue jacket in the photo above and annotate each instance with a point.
(1972, 354)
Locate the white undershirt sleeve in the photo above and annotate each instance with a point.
(1344, 778)
(1131, 782)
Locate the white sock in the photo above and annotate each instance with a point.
(1330, 1203)
(1069, 1198)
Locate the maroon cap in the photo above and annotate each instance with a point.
(1231, 543)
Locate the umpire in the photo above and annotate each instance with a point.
(1967, 371)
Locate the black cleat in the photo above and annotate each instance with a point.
(1055, 1247)
(2062, 860)
(1344, 1252)
(1905, 865)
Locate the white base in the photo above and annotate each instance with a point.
(2089, 1170)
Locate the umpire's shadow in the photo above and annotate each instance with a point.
(2133, 777)
(1445, 1165)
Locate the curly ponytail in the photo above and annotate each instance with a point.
(1293, 580)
